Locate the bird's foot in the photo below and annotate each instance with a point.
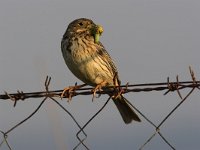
(118, 94)
(120, 91)
(69, 91)
(98, 88)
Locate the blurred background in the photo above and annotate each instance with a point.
(149, 41)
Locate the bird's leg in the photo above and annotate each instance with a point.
(117, 86)
(119, 92)
(98, 88)
(68, 91)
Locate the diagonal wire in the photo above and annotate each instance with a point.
(73, 118)
(166, 141)
(183, 99)
(5, 140)
(176, 108)
(26, 117)
(157, 127)
(169, 86)
(47, 82)
(77, 135)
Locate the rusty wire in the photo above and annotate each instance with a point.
(167, 86)
(148, 87)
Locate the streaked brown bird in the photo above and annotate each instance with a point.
(88, 60)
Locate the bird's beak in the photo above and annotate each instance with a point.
(97, 30)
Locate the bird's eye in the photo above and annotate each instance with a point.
(80, 24)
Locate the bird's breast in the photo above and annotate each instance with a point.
(86, 64)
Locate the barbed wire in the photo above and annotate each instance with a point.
(76, 90)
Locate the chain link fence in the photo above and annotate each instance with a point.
(76, 90)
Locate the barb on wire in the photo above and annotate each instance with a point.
(47, 82)
(46, 95)
(76, 90)
(169, 86)
(178, 91)
(172, 87)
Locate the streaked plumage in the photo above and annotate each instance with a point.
(89, 61)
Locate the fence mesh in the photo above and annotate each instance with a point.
(77, 90)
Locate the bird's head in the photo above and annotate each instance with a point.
(85, 26)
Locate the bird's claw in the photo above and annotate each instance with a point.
(118, 94)
(97, 88)
(69, 91)
(120, 91)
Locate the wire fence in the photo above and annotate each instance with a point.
(77, 90)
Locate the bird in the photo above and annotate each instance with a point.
(88, 60)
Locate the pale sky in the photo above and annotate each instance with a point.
(149, 41)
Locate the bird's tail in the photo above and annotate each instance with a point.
(125, 110)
